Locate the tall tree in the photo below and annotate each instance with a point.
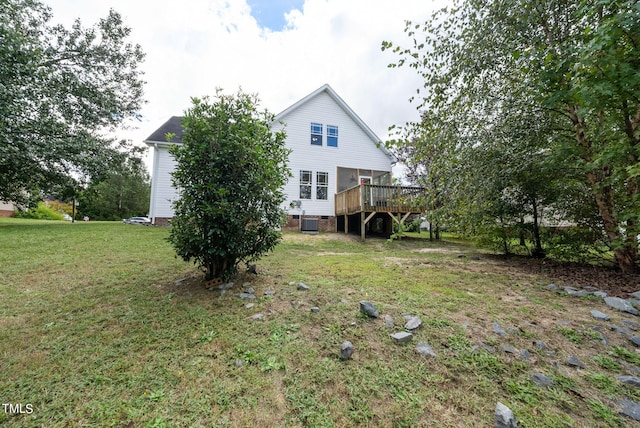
(62, 91)
(576, 63)
(120, 193)
(230, 172)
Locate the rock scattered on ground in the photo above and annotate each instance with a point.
(302, 287)
(369, 309)
(413, 323)
(388, 321)
(425, 349)
(542, 381)
(504, 417)
(401, 337)
(346, 350)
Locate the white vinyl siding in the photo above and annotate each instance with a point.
(355, 150)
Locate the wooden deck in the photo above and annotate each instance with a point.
(369, 200)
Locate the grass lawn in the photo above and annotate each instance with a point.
(100, 325)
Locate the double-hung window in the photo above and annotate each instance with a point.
(316, 134)
(322, 185)
(332, 136)
(305, 184)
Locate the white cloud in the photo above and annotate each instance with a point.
(195, 46)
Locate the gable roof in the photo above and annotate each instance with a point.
(172, 126)
(356, 119)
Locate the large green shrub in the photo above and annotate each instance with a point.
(230, 169)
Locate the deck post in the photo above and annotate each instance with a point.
(362, 225)
(346, 224)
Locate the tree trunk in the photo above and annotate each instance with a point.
(538, 251)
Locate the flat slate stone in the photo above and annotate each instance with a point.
(631, 324)
(542, 381)
(257, 316)
(315, 309)
(508, 349)
(425, 349)
(636, 294)
(629, 408)
(303, 287)
(369, 309)
(635, 340)
(245, 296)
(621, 305)
(497, 329)
(629, 380)
(573, 361)
(599, 315)
(413, 323)
(401, 337)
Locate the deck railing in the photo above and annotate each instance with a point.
(373, 197)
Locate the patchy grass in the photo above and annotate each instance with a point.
(100, 325)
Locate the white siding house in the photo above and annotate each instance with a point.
(332, 149)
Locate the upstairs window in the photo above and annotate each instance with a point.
(322, 185)
(305, 184)
(332, 136)
(316, 134)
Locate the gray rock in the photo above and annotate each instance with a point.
(599, 315)
(303, 287)
(475, 257)
(269, 292)
(346, 350)
(631, 324)
(368, 309)
(239, 363)
(497, 329)
(621, 305)
(629, 408)
(636, 295)
(425, 349)
(315, 309)
(635, 340)
(490, 349)
(401, 337)
(542, 381)
(621, 330)
(552, 287)
(508, 349)
(413, 323)
(249, 290)
(573, 361)
(629, 380)
(505, 417)
(257, 317)
(388, 321)
(571, 291)
(245, 296)
(249, 305)
(540, 344)
(601, 294)
(525, 355)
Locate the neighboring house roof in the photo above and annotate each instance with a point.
(171, 126)
(356, 119)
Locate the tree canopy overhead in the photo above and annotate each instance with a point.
(62, 91)
(556, 76)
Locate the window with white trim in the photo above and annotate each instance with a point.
(305, 184)
(322, 185)
(332, 136)
(316, 134)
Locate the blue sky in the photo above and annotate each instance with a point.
(271, 13)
